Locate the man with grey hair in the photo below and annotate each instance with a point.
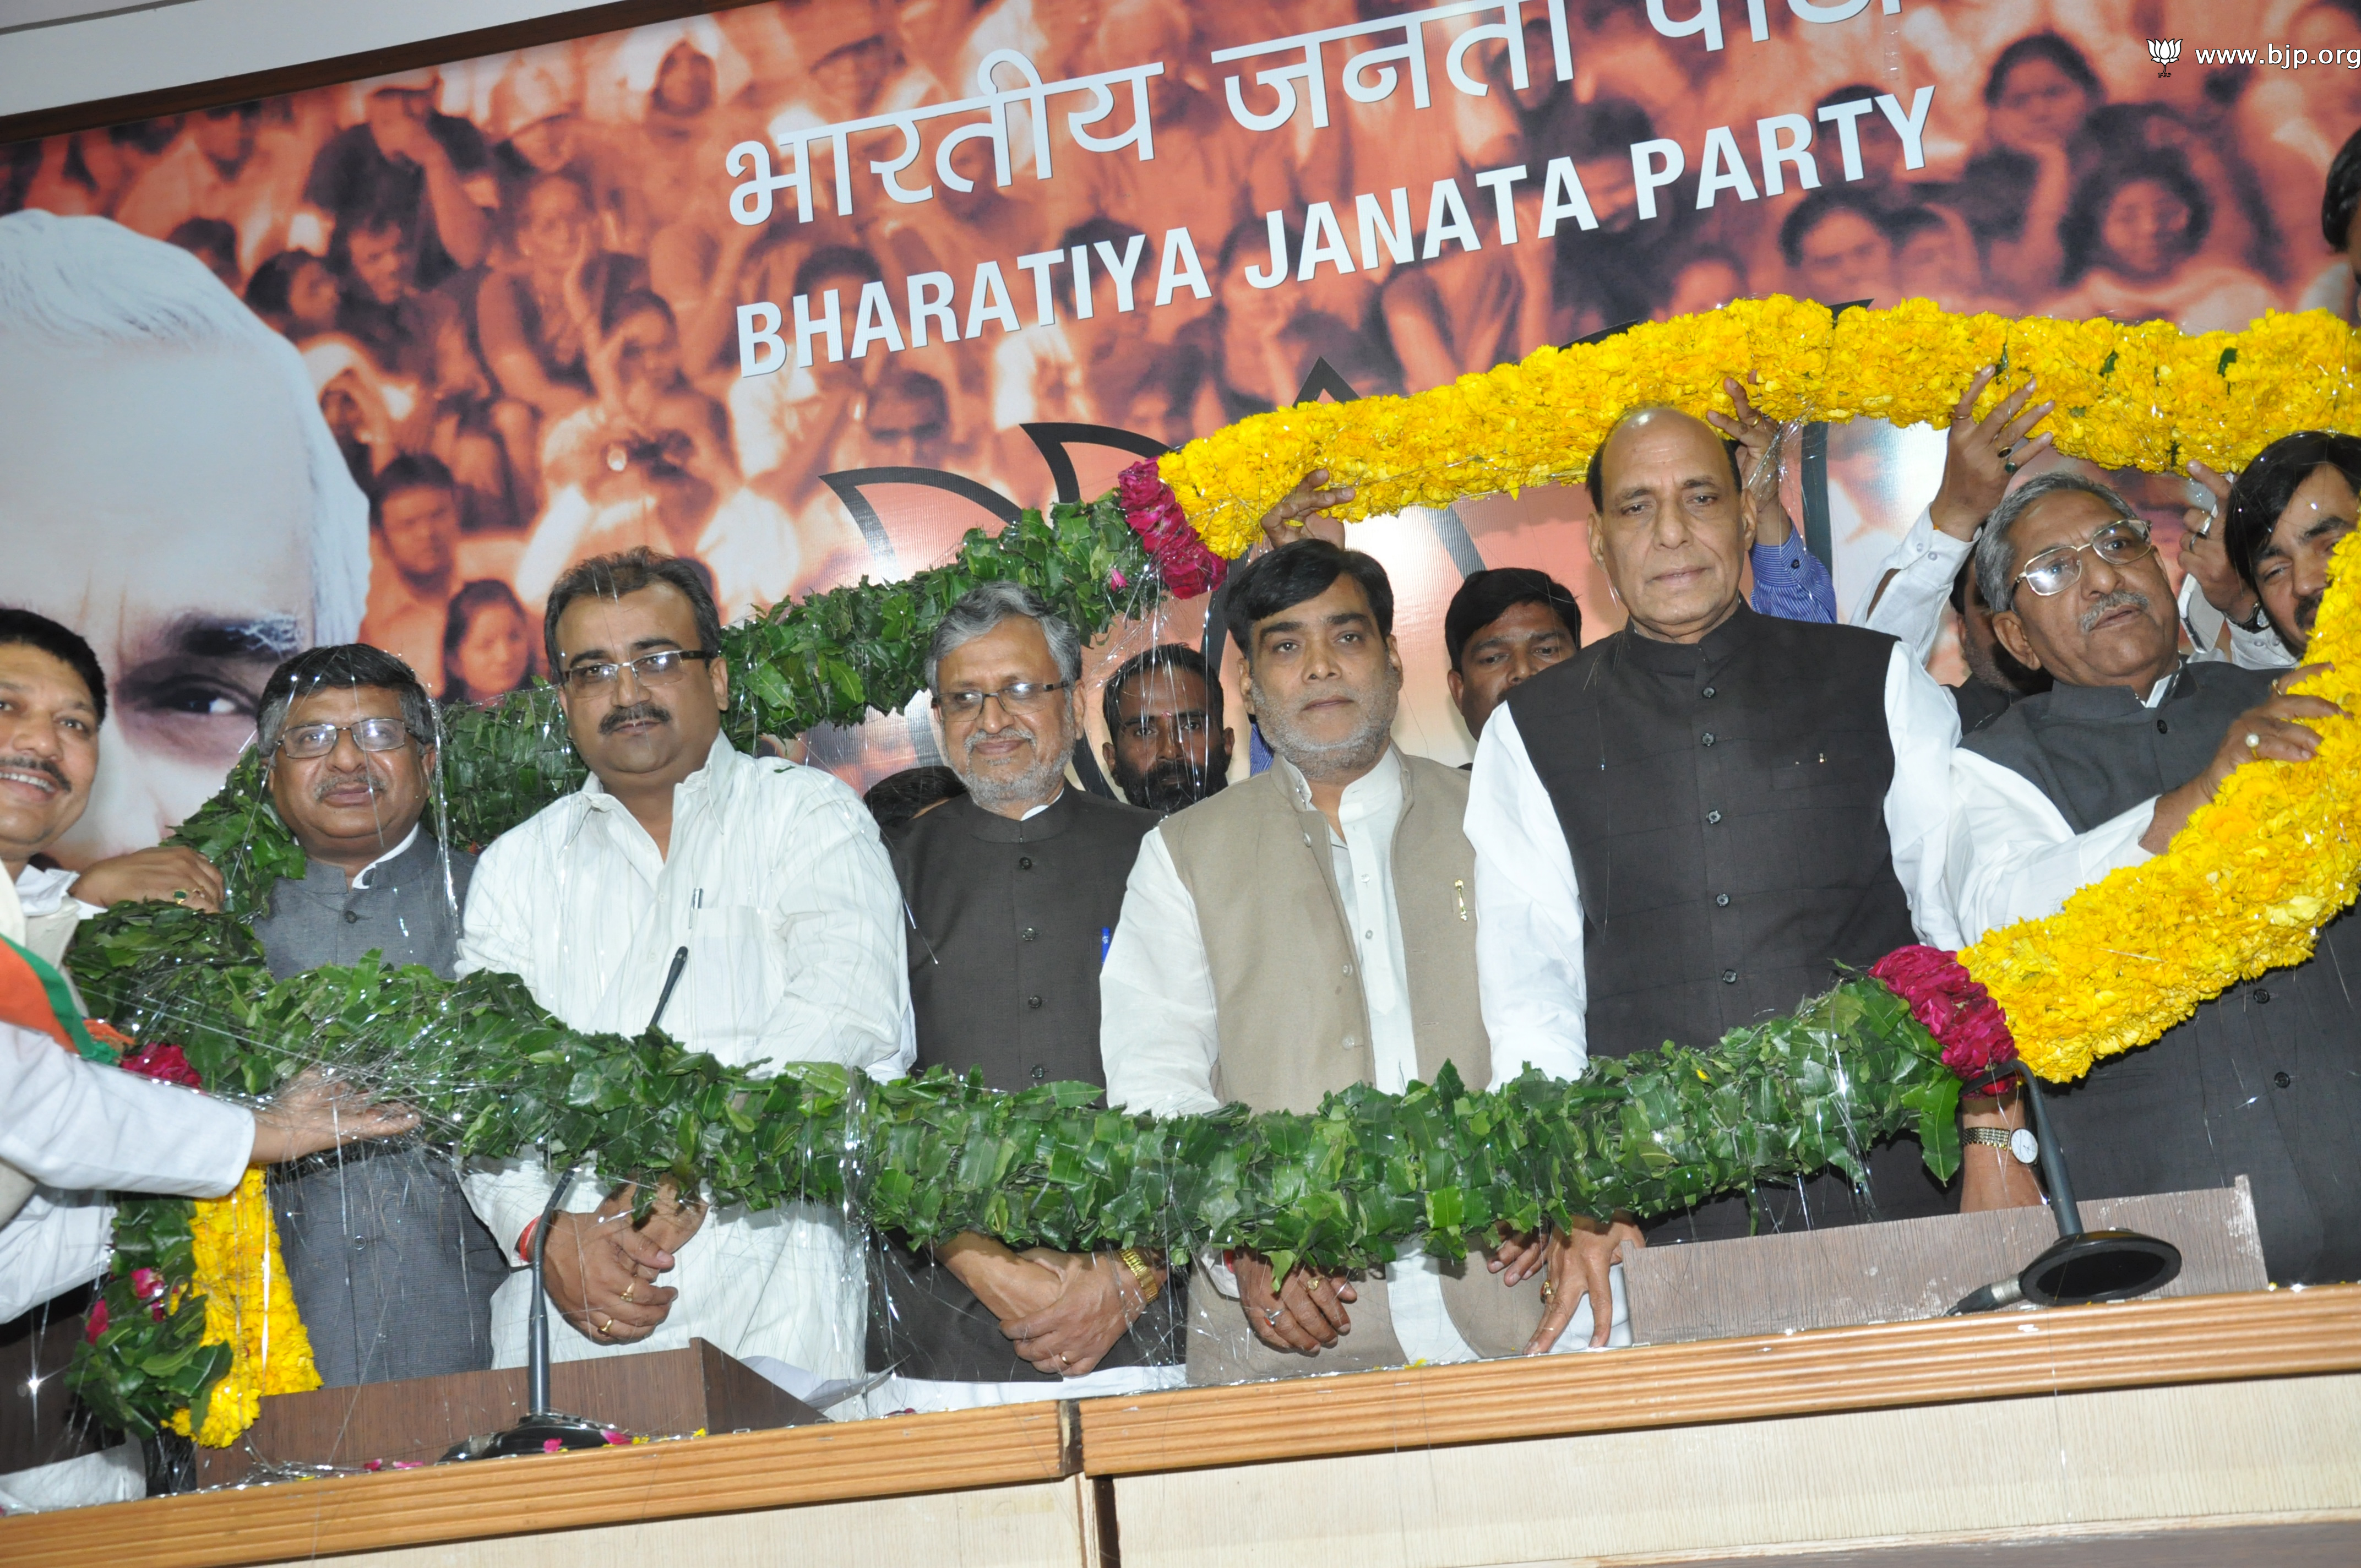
(2100, 771)
(174, 495)
(391, 1269)
(1013, 890)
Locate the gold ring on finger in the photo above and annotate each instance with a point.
(607, 1327)
(2006, 450)
(634, 1285)
(1549, 1292)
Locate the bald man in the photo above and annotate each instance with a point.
(1701, 820)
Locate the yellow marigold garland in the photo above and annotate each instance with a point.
(2243, 888)
(249, 1308)
(2144, 396)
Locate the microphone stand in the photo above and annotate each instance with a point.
(2083, 1265)
(543, 1429)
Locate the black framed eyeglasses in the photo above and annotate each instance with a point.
(308, 740)
(650, 669)
(2118, 544)
(1018, 697)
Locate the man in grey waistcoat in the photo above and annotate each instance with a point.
(390, 1269)
(1310, 928)
(2100, 772)
(1013, 890)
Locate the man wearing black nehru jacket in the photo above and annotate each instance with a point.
(1694, 823)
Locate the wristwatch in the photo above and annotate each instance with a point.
(2020, 1143)
(2256, 622)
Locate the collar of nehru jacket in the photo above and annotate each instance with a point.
(1041, 822)
(360, 884)
(1661, 658)
(1384, 788)
(719, 761)
(2101, 705)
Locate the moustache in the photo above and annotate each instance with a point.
(22, 763)
(329, 782)
(2307, 609)
(2115, 600)
(641, 710)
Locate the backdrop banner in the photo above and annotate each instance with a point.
(804, 290)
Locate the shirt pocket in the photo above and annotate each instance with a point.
(726, 986)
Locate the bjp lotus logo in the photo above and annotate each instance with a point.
(2164, 51)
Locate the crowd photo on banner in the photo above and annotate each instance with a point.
(333, 421)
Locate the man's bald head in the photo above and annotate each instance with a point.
(1667, 525)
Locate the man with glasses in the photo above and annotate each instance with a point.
(744, 905)
(2100, 772)
(392, 1270)
(1014, 890)
(1166, 747)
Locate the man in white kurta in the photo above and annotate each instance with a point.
(772, 877)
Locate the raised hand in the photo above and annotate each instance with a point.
(2204, 554)
(1757, 435)
(170, 872)
(1298, 514)
(1982, 455)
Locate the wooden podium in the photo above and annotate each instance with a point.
(663, 1393)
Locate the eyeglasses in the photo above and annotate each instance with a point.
(2119, 544)
(1021, 696)
(370, 735)
(652, 669)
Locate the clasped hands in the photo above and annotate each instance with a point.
(1307, 1314)
(1062, 1311)
(601, 1268)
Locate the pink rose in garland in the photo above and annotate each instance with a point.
(1181, 559)
(94, 1324)
(1957, 1011)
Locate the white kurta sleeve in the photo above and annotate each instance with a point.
(836, 909)
(1160, 1037)
(58, 1241)
(2013, 856)
(74, 1124)
(508, 1194)
(1529, 959)
(1925, 726)
(1925, 565)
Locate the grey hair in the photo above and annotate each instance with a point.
(985, 607)
(86, 283)
(344, 666)
(1996, 556)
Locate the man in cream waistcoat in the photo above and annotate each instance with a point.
(1310, 928)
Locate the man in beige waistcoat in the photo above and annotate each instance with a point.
(1310, 928)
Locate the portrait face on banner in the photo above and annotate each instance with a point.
(790, 293)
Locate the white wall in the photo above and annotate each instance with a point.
(54, 52)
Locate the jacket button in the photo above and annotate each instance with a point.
(1023, 862)
(2261, 994)
(1712, 817)
(1730, 977)
(2281, 1078)
(1039, 1073)
(1721, 901)
(1707, 692)
(2160, 728)
(1032, 1002)
(1352, 1042)
(1348, 970)
(1028, 934)
(352, 917)
(1708, 737)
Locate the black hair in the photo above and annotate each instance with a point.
(1486, 597)
(268, 292)
(342, 666)
(627, 572)
(1904, 222)
(1163, 656)
(2079, 232)
(834, 261)
(899, 797)
(1298, 571)
(2270, 482)
(632, 302)
(207, 239)
(1606, 126)
(1816, 208)
(1089, 230)
(411, 471)
(2069, 60)
(2341, 196)
(471, 600)
(1595, 481)
(1852, 92)
(23, 629)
